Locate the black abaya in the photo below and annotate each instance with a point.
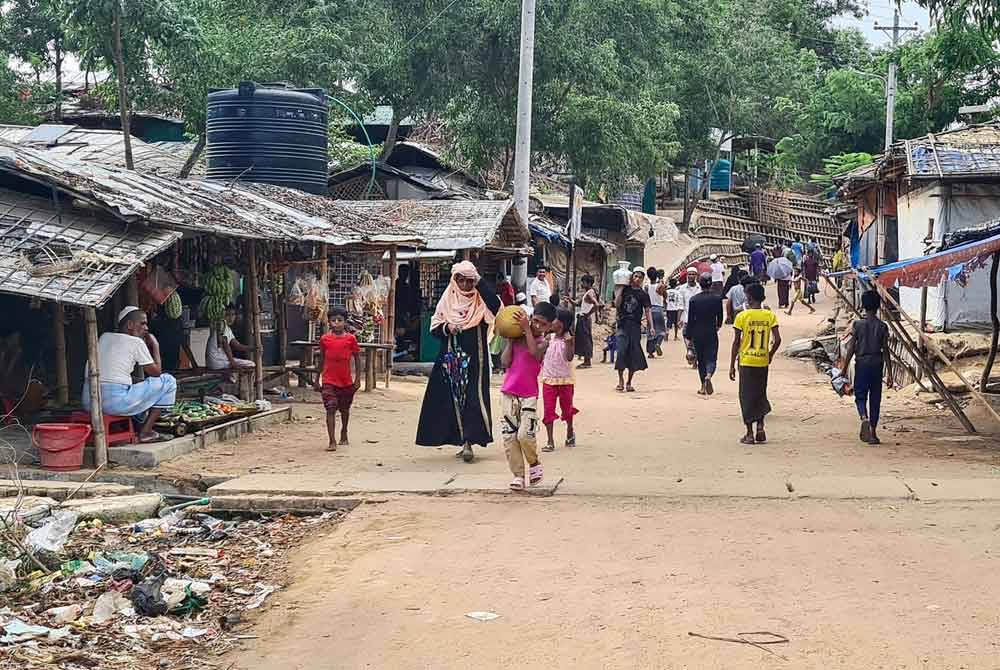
(441, 421)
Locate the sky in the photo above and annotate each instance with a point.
(880, 11)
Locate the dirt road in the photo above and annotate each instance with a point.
(618, 567)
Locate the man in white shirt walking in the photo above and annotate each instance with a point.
(539, 289)
(718, 274)
(118, 354)
(688, 291)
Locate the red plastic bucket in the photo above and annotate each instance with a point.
(60, 445)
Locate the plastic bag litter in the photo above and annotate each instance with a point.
(77, 567)
(263, 591)
(148, 599)
(65, 614)
(110, 604)
(53, 535)
(8, 573)
(108, 564)
(483, 616)
(16, 631)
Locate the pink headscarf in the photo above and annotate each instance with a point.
(465, 309)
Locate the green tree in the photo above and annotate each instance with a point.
(122, 36)
(34, 32)
(982, 13)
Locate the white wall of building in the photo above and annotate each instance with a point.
(953, 207)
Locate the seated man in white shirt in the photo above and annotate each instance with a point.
(118, 355)
(222, 343)
(539, 289)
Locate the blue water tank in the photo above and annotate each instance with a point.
(722, 175)
(269, 133)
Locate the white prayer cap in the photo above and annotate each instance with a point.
(126, 311)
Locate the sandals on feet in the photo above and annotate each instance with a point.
(866, 431)
(620, 388)
(709, 389)
(747, 439)
(629, 389)
(571, 442)
(549, 447)
(761, 436)
(467, 454)
(517, 484)
(535, 474)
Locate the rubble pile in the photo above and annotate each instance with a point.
(162, 592)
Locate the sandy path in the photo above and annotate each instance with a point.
(618, 584)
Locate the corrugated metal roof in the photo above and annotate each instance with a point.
(105, 147)
(550, 230)
(64, 256)
(252, 211)
(451, 224)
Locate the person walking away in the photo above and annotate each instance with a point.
(799, 250)
(798, 283)
(584, 341)
(337, 349)
(632, 303)
(519, 394)
(756, 340)
(687, 291)
(558, 382)
(539, 289)
(718, 274)
(810, 270)
(869, 346)
(736, 299)
(505, 290)
(672, 308)
(758, 264)
(658, 327)
(462, 320)
(704, 321)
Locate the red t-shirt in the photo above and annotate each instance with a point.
(337, 351)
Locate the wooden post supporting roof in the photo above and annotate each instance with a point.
(936, 351)
(390, 311)
(253, 303)
(62, 367)
(987, 371)
(94, 382)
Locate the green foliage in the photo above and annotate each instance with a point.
(839, 164)
(983, 14)
(18, 98)
(345, 153)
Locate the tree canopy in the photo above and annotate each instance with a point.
(623, 88)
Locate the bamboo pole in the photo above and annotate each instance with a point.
(932, 347)
(253, 303)
(390, 310)
(62, 368)
(281, 321)
(988, 370)
(94, 382)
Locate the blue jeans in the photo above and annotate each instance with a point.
(868, 390)
(659, 329)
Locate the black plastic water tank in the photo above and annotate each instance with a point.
(269, 133)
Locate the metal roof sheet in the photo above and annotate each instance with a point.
(49, 252)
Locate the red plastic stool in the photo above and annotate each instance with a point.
(117, 429)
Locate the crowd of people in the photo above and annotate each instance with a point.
(555, 332)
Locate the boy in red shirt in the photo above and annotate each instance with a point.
(336, 349)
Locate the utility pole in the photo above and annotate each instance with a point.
(522, 148)
(890, 83)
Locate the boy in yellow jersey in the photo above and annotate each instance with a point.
(757, 340)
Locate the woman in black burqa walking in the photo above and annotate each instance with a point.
(456, 408)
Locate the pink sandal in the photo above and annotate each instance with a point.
(517, 484)
(535, 474)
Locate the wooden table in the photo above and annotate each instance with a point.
(369, 349)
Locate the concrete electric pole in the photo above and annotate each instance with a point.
(522, 148)
(890, 84)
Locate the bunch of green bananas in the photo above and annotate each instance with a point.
(173, 306)
(218, 293)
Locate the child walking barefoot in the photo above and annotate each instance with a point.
(336, 349)
(798, 283)
(522, 358)
(558, 381)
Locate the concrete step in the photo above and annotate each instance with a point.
(59, 490)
